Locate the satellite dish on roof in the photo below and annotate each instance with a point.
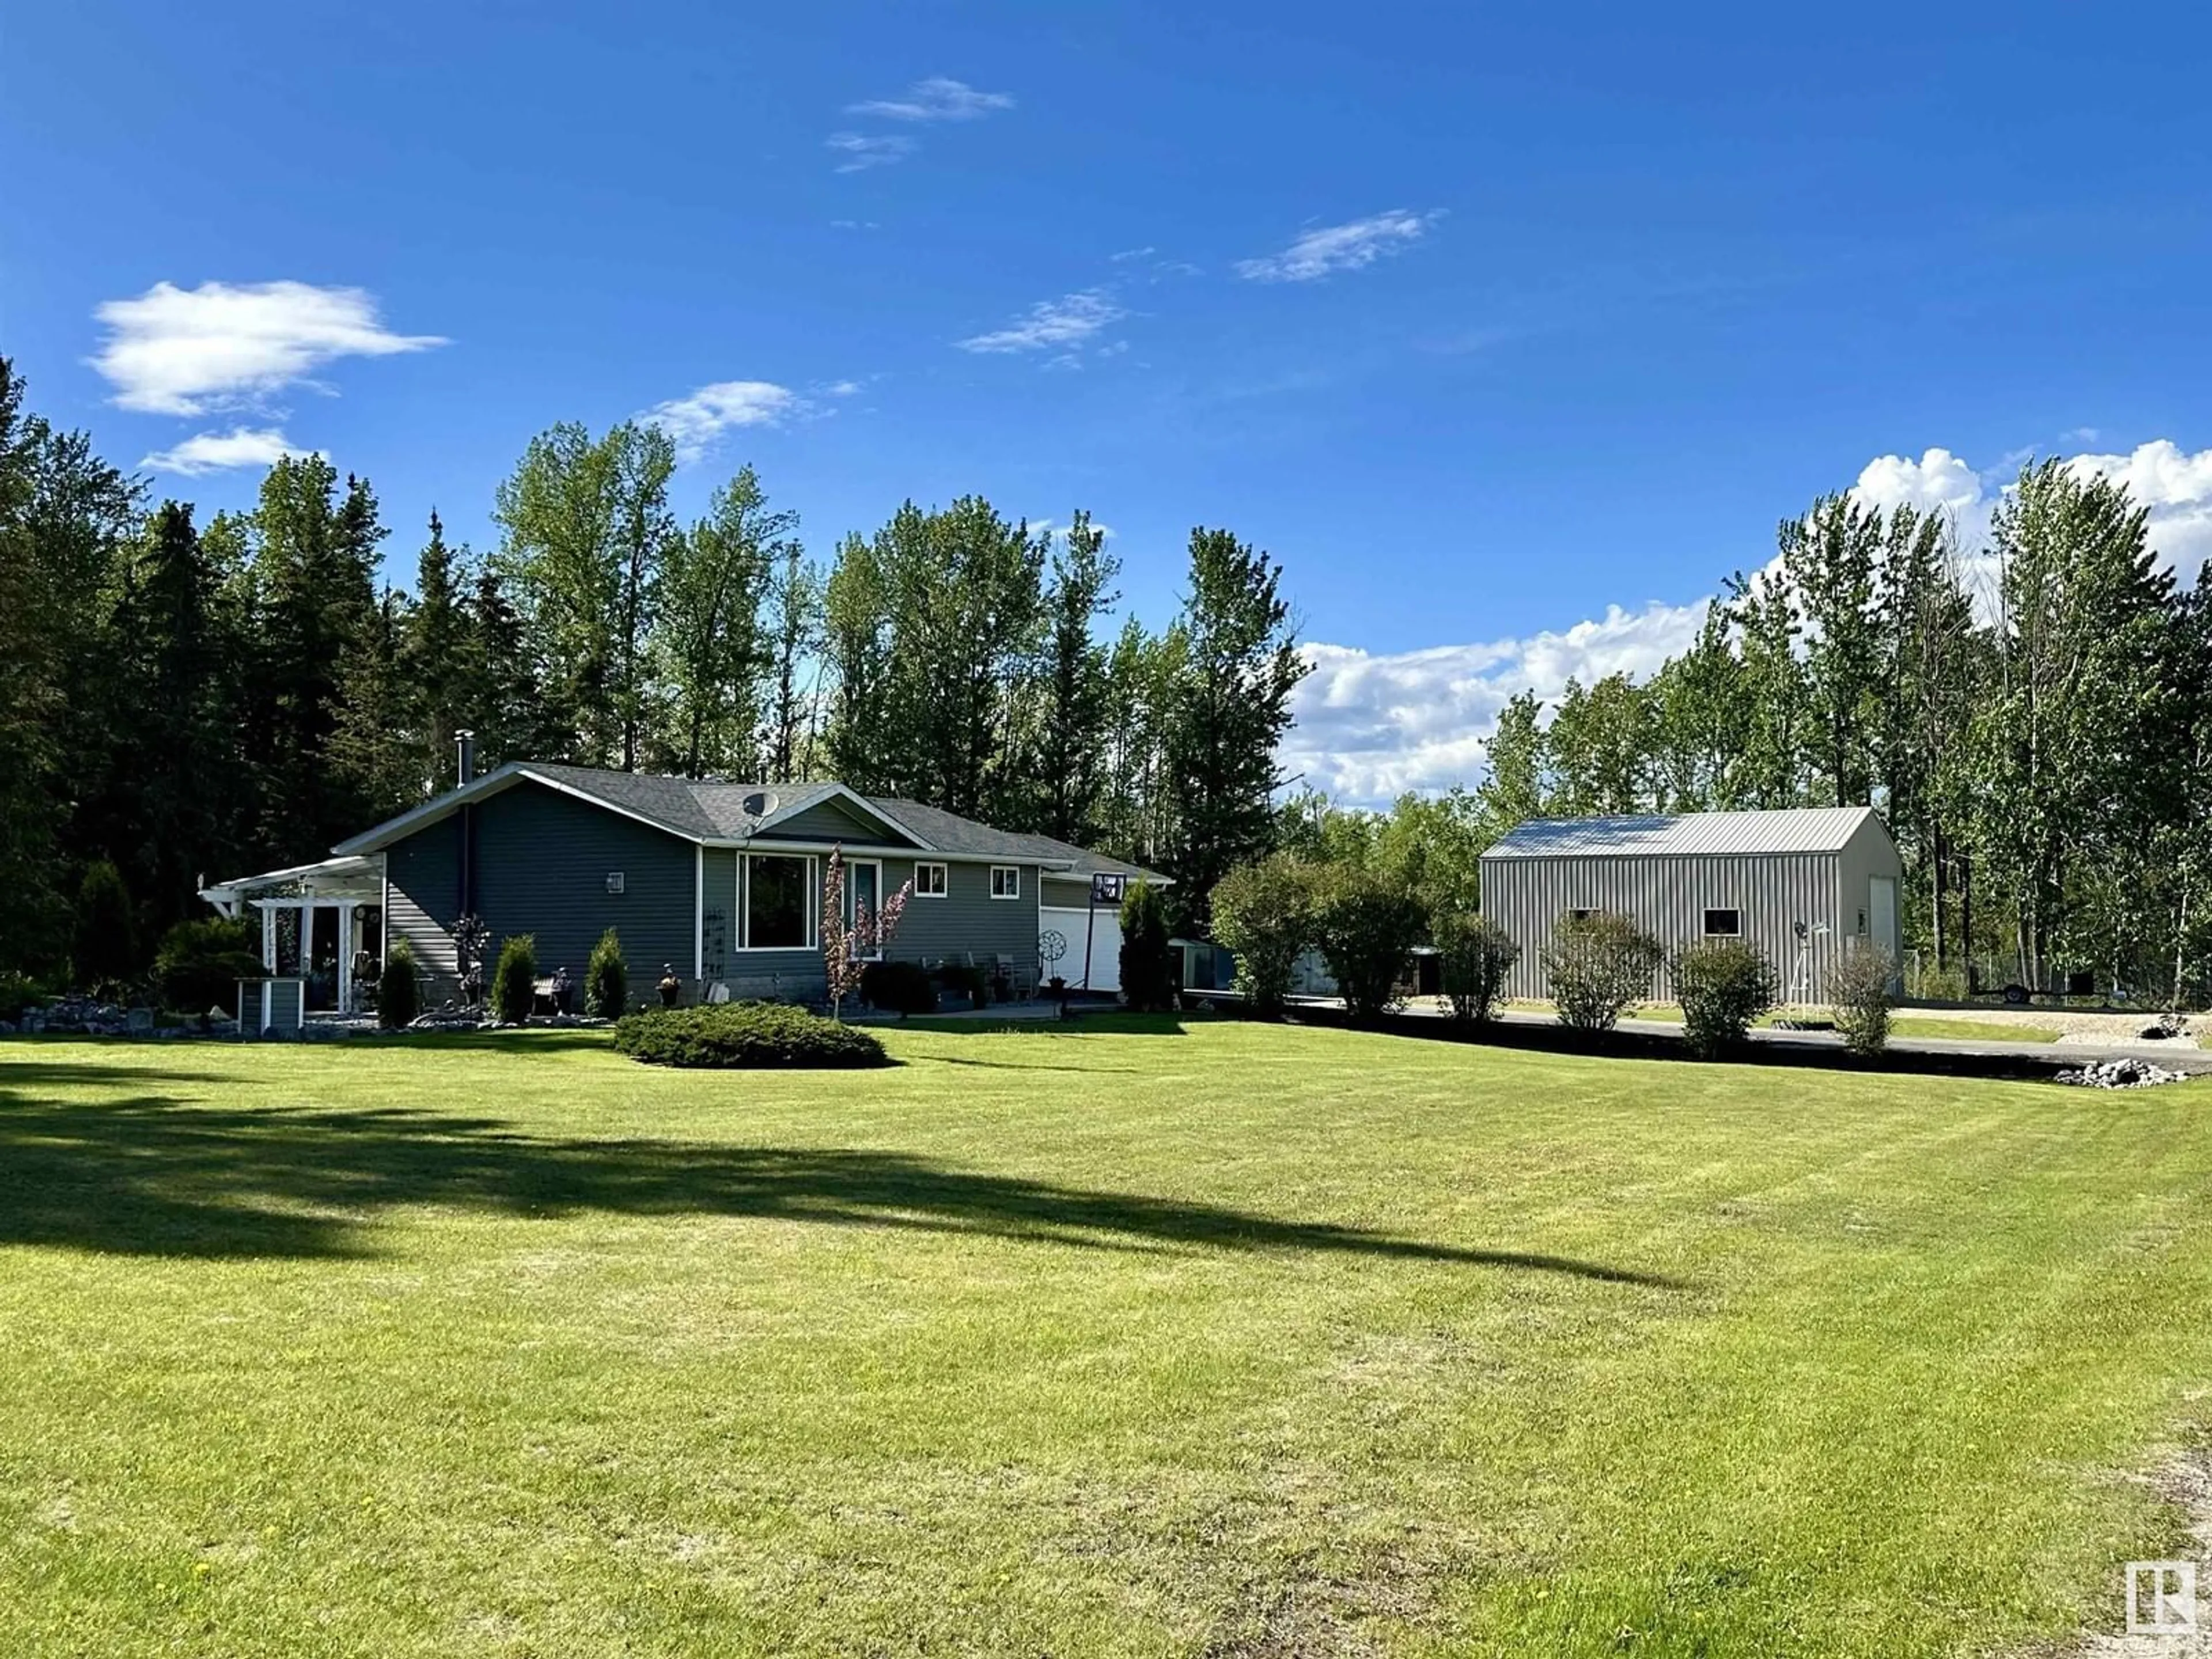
(758, 803)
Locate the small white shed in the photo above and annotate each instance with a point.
(1801, 884)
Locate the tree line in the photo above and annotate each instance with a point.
(2034, 722)
(188, 699)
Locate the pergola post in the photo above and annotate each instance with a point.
(345, 908)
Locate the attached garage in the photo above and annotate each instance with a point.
(1801, 884)
(1064, 909)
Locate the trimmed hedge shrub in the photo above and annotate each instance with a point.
(199, 964)
(746, 1035)
(1724, 985)
(1148, 979)
(1475, 955)
(1596, 965)
(606, 979)
(898, 987)
(1859, 997)
(514, 981)
(399, 988)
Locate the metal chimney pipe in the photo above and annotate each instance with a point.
(464, 767)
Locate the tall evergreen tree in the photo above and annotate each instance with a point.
(31, 915)
(171, 821)
(376, 745)
(313, 574)
(1231, 708)
(432, 656)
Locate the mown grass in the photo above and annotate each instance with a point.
(1911, 1025)
(1136, 1338)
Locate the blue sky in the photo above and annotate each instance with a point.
(1482, 322)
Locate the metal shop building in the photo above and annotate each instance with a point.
(1801, 884)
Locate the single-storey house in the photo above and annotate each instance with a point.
(1801, 884)
(720, 881)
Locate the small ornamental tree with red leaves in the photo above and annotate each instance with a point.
(847, 946)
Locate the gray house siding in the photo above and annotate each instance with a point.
(1667, 895)
(541, 862)
(967, 921)
(1068, 892)
(829, 820)
(422, 894)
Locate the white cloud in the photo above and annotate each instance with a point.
(864, 150)
(1068, 321)
(854, 224)
(1315, 254)
(1053, 528)
(1371, 726)
(937, 98)
(841, 389)
(2174, 484)
(219, 452)
(1128, 253)
(695, 421)
(185, 351)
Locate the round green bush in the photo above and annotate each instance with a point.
(1723, 985)
(756, 1035)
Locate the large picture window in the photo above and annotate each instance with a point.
(778, 916)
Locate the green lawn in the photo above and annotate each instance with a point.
(1911, 1026)
(1128, 1339)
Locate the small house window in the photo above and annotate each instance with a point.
(1583, 914)
(1724, 924)
(929, 881)
(1007, 881)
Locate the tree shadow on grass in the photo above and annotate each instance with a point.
(145, 1175)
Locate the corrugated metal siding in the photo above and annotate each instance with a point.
(1669, 896)
(542, 863)
(1791, 829)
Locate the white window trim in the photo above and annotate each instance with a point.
(876, 864)
(1705, 921)
(744, 927)
(1013, 870)
(942, 868)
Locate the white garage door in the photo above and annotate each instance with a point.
(1105, 945)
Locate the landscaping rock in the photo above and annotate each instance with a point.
(2120, 1074)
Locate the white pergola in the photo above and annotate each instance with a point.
(340, 885)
